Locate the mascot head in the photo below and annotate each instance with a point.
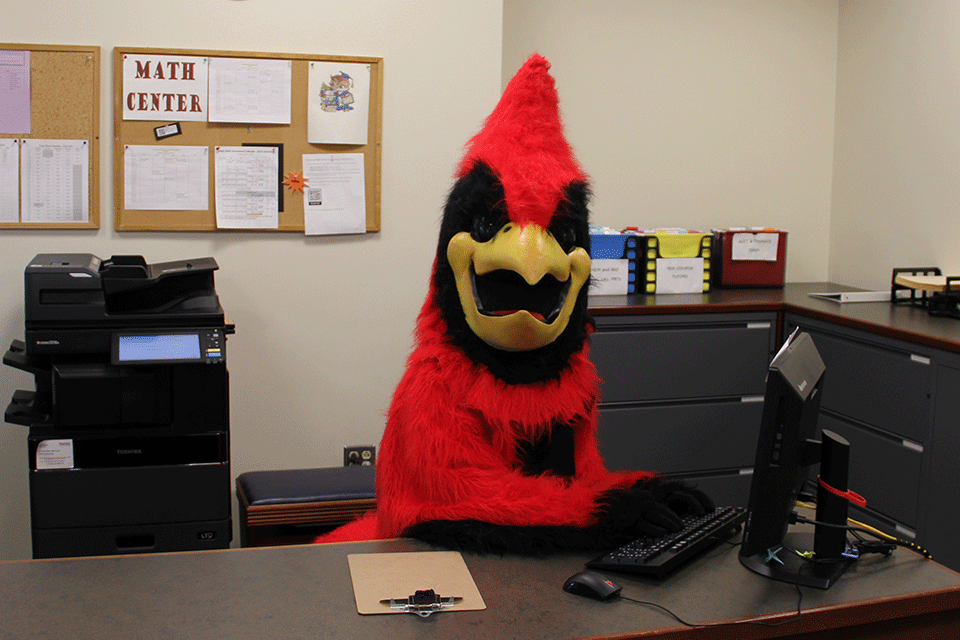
(513, 262)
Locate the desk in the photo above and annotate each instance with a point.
(305, 592)
(900, 321)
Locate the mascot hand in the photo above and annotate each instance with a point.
(650, 508)
(684, 500)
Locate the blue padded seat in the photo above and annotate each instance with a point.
(300, 499)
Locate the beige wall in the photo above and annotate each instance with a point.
(697, 113)
(896, 186)
(323, 324)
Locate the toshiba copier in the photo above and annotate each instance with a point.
(128, 438)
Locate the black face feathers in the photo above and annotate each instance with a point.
(476, 205)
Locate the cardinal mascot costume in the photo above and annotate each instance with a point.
(490, 443)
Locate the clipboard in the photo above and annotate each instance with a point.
(385, 576)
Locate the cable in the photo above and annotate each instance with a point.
(865, 528)
(695, 625)
(877, 532)
(869, 530)
(863, 546)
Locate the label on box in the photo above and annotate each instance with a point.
(55, 454)
(754, 246)
(680, 275)
(609, 277)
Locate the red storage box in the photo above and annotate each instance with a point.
(750, 257)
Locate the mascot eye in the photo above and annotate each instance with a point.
(487, 223)
(564, 233)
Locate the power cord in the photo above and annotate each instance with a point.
(695, 625)
(864, 546)
(754, 621)
(885, 545)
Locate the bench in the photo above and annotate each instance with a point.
(293, 506)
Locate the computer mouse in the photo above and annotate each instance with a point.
(592, 585)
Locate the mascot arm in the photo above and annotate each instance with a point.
(445, 468)
(447, 477)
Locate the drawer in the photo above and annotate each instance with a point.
(884, 471)
(941, 490)
(680, 438)
(882, 387)
(682, 362)
(66, 499)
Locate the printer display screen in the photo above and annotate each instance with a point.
(158, 347)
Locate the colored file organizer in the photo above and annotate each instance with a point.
(654, 247)
(617, 247)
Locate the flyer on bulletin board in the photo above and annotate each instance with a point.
(15, 92)
(338, 105)
(334, 200)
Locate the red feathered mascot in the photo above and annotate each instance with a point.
(490, 442)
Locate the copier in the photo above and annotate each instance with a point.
(129, 420)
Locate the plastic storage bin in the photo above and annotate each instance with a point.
(750, 257)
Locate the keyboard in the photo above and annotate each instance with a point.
(656, 557)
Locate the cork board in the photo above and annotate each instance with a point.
(293, 137)
(65, 105)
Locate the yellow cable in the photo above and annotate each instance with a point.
(873, 530)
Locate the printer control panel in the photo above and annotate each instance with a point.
(213, 345)
(207, 345)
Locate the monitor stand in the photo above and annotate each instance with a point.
(780, 563)
(828, 542)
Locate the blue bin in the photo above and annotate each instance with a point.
(621, 246)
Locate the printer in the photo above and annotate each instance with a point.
(129, 420)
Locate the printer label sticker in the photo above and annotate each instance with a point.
(55, 454)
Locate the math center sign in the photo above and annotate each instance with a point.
(157, 87)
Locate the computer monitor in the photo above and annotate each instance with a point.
(786, 449)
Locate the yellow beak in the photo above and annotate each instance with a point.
(532, 307)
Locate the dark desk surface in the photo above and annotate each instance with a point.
(306, 592)
(901, 321)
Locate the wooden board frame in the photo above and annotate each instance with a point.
(64, 105)
(293, 137)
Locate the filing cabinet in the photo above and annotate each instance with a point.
(682, 395)
(898, 403)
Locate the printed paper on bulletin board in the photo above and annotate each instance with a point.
(172, 122)
(54, 153)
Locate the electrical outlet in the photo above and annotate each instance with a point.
(359, 456)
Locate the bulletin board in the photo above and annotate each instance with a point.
(65, 105)
(293, 138)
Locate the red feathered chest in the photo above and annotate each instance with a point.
(451, 443)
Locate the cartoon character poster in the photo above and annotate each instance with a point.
(339, 103)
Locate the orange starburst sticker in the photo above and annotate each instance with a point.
(295, 181)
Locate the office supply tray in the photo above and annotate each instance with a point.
(943, 302)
